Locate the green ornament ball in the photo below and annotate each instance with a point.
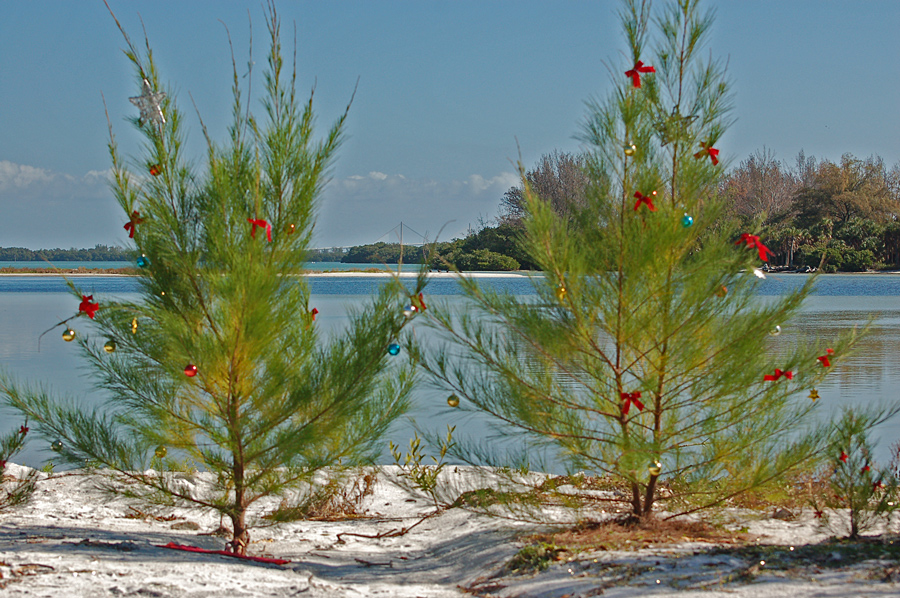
(687, 221)
(142, 261)
(160, 452)
(56, 446)
(394, 349)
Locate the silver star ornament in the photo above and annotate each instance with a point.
(148, 103)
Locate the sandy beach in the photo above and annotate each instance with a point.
(71, 540)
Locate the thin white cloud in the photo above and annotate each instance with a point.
(361, 209)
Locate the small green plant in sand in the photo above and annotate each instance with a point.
(414, 468)
(867, 494)
(14, 490)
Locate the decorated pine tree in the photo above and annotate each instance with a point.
(647, 355)
(220, 365)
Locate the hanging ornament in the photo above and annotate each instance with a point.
(87, 307)
(156, 170)
(453, 401)
(394, 349)
(561, 292)
(133, 325)
(56, 446)
(109, 346)
(687, 221)
(68, 335)
(775, 331)
(409, 310)
(844, 456)
(654, 468)
(753, 242)
(824, 359)
(261, 224)
(132, 223)
(313, 313)
(149, 104)
(710, 151)
(629, 398)
(290, 229)
(778, 374)
(142, 261)
(630, 148)
(814, 394)
(721, 291)
(160, 452)
(866, 469)
(645, 199)
(190, 370)
(635, 73)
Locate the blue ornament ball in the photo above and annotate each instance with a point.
(687, 220)
(142, 261)
(394, 349)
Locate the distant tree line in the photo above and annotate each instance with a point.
(100, 253)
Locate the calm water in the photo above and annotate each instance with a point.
(30, 305)
(315, 266)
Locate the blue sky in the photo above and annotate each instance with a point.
(449, 93)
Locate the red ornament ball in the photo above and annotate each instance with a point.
(190, 370)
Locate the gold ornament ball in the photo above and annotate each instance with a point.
(453, 401)
(775, 331)
(68, 335)
(134, 326)
(721, 291)
(630, 149)
(109, 346)
(654, 468)
(561, 292)
(160, 452)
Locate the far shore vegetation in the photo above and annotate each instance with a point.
(844, 217)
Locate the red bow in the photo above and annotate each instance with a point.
(132, 224)
(23, 430)
(261, 224)
(641, 198)
(87, 307)
(753, 241)
(629, 398)
(635, 73)
(418, 302)
(843, 457)
(313, 313)
(824, 358)
(778, 374)
(712, 152)
(866, 469)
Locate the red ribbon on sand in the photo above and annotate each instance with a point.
(257, 559)
(635, 73)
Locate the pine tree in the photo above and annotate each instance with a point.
(14, 490)
(646, 356)
(220, 364)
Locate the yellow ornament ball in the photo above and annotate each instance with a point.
(630, 149)
(561, 292)
(453, 401)
(109, 346)
(161, 452)
(654, 468)
(68, 335)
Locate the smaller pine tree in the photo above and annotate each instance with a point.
(14, 490)
(220, 365)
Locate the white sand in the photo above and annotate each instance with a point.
(70, 540)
